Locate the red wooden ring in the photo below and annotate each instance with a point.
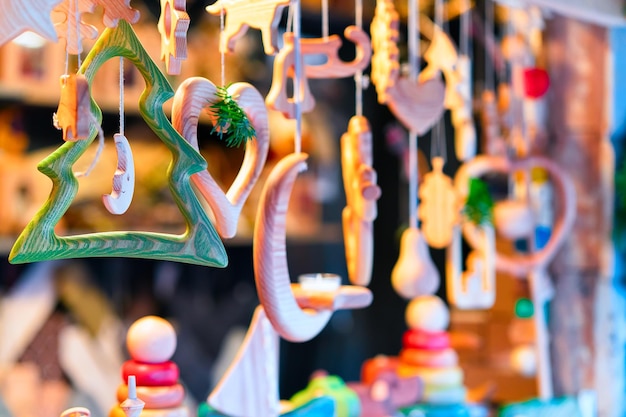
(429, 358)
(420, 339)
(151, 374)
(371, 368)
(155, 397)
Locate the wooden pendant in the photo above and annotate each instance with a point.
(414, 273)
(192, 97)
(418, 105)
(521, 265)
(243, 14)
(277, 98)
(70, 25)
(359, 181)
(462, 114)
(123, 180)
(333, 66)
(73, 115)
(173, 25)
(21, 15)
(270, 263)
(386, 55)
(200, 244)
(114, 10)
(439, 209)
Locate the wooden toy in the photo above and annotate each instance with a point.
(422, 339)
(76, 412)
(427, 312)
(347, 402)
(359, 181)
(192, 97)
(372, 368)
(151, 339)
(73, 115)
(284, 65)
(439, 207)
(71, 27)
(155, 397)
(199, 244)
(418, 105)
(387, 393)
(414, 273)
(114, 10)
(151, 374)
(429, 358)
(22, 15)
(173, 25)
(132, 406)
(445, 377)
(241, 15)
(386, 55)
(118, 201)
(333, 66)
(270, 263)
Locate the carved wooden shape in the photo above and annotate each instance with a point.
(521, 265)
(200, 244)
(71, 26)
(439, 208)
(114, 10)
(386, 55)
(462, 113)
(192, 97)
(475, 288)
(243, 14)
(250, 385)
(123, 180)
(347, 297)
(441, 56)
(173, 25)
(334, 67)
(283, 68)
(414, 273)
(73, 115)
(418, 105)
(359, 181)
(21, 15)
(270, 262)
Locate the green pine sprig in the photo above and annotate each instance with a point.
(230, 121)
(479, 204)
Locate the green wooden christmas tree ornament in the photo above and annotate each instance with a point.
(200, 244)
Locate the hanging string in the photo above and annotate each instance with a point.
(465, 22)
(96, 158)
(289, 26)
(489, 34)
(67, 44)
(222, 53)
(122, 96)
(414, 39)
(358, 77)
(413, 180)
(439, 14)
(325, 23)
(438, 142)
(78, 40)
(297, 79)
(414, 67)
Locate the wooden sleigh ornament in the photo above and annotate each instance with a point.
(200, 244)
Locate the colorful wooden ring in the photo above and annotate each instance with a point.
(429, 358)
(163, 412)
(155, 397)
(433, 377)
(420, 339)
(151, 374)
(372, 368)
(447, 395)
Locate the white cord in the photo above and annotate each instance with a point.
(96, 158)
(325, 23)
(413, 29)
(358, 77)
(413, 179)
(297, 80)
(222, 53)
(122, 96)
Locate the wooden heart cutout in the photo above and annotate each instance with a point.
(192, 97)
(521, 265)
(417, 105)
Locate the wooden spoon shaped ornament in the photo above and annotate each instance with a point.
(359, 181)
(270, 263)
(521, 265)
(200, 244)
(192, 97)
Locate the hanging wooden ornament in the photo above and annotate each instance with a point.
(385, 30)
(242, 14)
(192, 97)
(70, 25)
(173, 25)
(200, 243)
(118, 201)
(271, 273)
(359, 181)
(284, 68)
(414, 273)
(114, 10)
(73, 115)
(418, 105)
(21, 15)
(439, 208)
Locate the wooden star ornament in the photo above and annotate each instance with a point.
(173, 25)
(18, 16)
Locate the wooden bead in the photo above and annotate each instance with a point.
(428, 313)
(155, 397)
(420, 339)
(429, 358)
(151, 374)
(151, 339)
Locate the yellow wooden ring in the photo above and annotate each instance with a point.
(155, 397)
(452, 375)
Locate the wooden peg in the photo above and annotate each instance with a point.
(173, 25)
(334, 67)
(284, 66)
(386, 55)
(243, 14)
(123, 180)
(439, 209)
(21, 15)
(73, 115)
(362, 192)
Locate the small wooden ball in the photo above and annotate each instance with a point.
(428, 313)
(151, 339)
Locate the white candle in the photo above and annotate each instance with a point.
(320, 282)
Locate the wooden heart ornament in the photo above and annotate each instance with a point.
(192, 97)
(418, 105)
(521, 265)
